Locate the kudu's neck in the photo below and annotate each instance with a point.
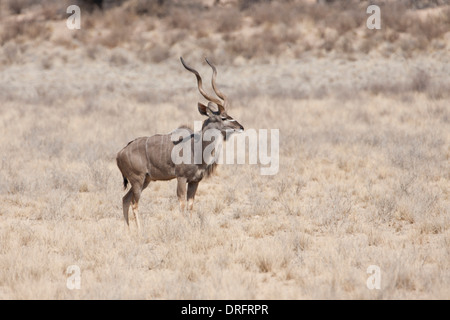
(210, 125)
(211, 139)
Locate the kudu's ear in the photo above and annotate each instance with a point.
(206, 110)
(203, 109)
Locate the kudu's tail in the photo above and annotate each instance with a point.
(125, 180)
(125, 183)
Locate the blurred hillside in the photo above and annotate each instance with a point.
(232, 31)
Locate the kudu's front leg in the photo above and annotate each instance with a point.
(181, 192)
(192, 189)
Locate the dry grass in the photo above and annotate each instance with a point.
(363, 177)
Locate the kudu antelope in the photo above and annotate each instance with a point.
(148, 159)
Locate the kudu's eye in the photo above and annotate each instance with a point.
(223, 118)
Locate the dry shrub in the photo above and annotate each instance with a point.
(155, 54)
(409, 43)
(175, 36)
(390, 35)
(437, 91)
(11, 31)
(246, 4)
(37, 30)
(265, 43)
(22, 31)
(345, 44)
(317, 12)
(11, 52)
(159, 53)
(89, 21)
(366, 45)
(342, 16)
(420, 81)
(91, 5)
(445, 15)
(54, 9)
(157, 8)
(329, 36)
(114, 38)
(434, 26)
(228, 20)
(49, 9)
(92, 51)
(287, 13)
(178, 19)
(118, 17)
(237, 46)
(118, 58)
(395, 16)
(117, 26)
(47, 63)
(269, 13)
(18, 6)
(383, 87)
(344, 21)
(208, 45)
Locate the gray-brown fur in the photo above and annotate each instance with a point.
(147, 159)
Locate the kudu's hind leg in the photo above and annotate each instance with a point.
(135, 206)
(126, 200)
(132, 197)
(136, 196)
